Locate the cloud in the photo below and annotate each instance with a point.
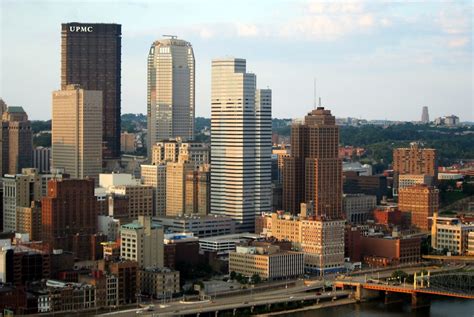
(366, 20)
(247, 30)
(206, 33)
(318, 7)
(455, 20)
(458, 42)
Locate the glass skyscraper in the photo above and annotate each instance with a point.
(170, 100)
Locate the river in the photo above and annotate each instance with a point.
(439, 308)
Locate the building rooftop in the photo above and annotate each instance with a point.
(15, 110)
(236, 236)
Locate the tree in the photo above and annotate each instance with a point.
(233, 275)
(256, 279)
(400, 275)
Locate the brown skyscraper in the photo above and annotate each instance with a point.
(91, 57)
(313, 172)
(17, 141)
(69, 209)
(415, 160)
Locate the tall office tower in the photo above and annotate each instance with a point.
(420, 201)
(241, 144)
(77, 131)
(170, 106)
(415, 160)
(313, 172)
(155, 176)
(175, 150)
(69, 211)
(19, 191)
(425, 117)
(17, 141)
(142, 241)
(91, 56)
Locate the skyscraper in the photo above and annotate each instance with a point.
(313, 172)
(91, 57)
(170, 103)
(425, 117)
(77, 131)
(241, 128)
(17, 141)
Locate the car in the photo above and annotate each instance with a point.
(318, 293)
(246, 302)
(291, 297)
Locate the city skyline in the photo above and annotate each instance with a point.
(378, 46)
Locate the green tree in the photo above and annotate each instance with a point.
(233, 275)
(256, 279)
(399, 274)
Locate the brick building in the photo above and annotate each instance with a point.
(420, 201)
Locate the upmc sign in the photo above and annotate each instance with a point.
(82, 29)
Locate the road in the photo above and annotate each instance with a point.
(296, 292)
(180, 308)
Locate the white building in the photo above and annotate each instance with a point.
(142, 242)
(269, 263)
(450, 234)
(241, 144)
(170, 102)
(226, 243)
(200, 226)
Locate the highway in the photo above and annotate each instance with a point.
(181, 308)
(296, 292)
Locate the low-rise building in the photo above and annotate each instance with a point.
(142, 241)
(180, 248)
(224, 244)
(358, 207)
(387, 250)
(320, 239)
(470, 243)
(450, 234)
(200, 226)
(269, 263)
(158, 282)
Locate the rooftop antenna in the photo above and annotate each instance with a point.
(173, 37)
(314, 97)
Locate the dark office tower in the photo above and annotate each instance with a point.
(91, 58)
(313, 172)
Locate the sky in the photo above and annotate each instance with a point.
(371, 59)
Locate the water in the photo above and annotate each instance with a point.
(439, 308)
